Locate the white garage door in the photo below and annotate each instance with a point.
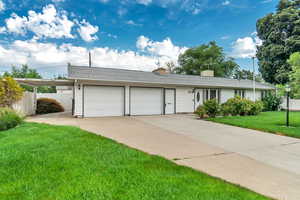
(103, 101)
(146, 101)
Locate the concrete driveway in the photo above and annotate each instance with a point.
(266, 163)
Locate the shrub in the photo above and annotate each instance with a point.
(233, 105)
(200, 112)
(9, 119)
(10, 92)
(45, 105)
(256, 108)
(225, 109)
(238, 106)
(211, 107)
(271, 102)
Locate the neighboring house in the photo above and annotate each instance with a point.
(117, 92)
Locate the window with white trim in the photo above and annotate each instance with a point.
(209, 94)
(240, 93)
(265, 93)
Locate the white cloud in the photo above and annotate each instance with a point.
(54, 57)
(191, 6)
(50, 23)
(104, 1)
(267, 1)
(57, 1)
(133, 23)
(2, 6)
(86, 31)
(144, 2)
(2, 30)
(112, 36)
(122, 11)
(226, 3)
(142, 42)
(165, 49)
(47, 24)
(246, 47)
(225, 37)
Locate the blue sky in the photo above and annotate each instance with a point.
(131, 34)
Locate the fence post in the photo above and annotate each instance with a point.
(35, 99)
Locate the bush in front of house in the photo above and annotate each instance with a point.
(211, 108)
(256, 108)
(9, 119)
(200, 111)
(232, 107)
(225, 109)
(272, 102)
(46, 105)
(239, 106)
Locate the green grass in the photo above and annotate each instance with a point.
(44, 162)
(273, 122)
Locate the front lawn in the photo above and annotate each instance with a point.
(39, 161)
(273, 122)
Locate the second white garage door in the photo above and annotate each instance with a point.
(146, 101)
(102, 101)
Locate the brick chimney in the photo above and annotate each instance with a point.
(160, 71)
(207, 73)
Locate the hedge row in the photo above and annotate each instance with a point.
(234, 106)
(46, 105)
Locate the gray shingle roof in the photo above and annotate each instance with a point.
(132, 76)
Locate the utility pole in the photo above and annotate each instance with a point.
(90, 59)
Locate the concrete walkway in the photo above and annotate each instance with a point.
(266, 163)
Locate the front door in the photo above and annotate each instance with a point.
(198, 98)
(169, 101)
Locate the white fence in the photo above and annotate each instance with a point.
(65, 99)
(294, 104)
(27, 104)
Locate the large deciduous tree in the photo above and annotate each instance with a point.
(246, 74)
(26, 72)
(294, 61)
(280, 33)
(210, 56)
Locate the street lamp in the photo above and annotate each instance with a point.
(288, 90)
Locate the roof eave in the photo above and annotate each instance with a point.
(169, 84)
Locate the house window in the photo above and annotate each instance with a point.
(264, 93)
(211, 94)
(198, 96)
(240, 93)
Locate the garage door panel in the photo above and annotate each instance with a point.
(103, 101)
(146, 101)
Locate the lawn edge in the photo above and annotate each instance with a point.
(256, 129)
(172, 161)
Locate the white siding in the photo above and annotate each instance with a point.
(127, 98)
(65, 99)
(26, 105)
(184, 100)
(226, 94)
(249, 95)
(78, 89)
